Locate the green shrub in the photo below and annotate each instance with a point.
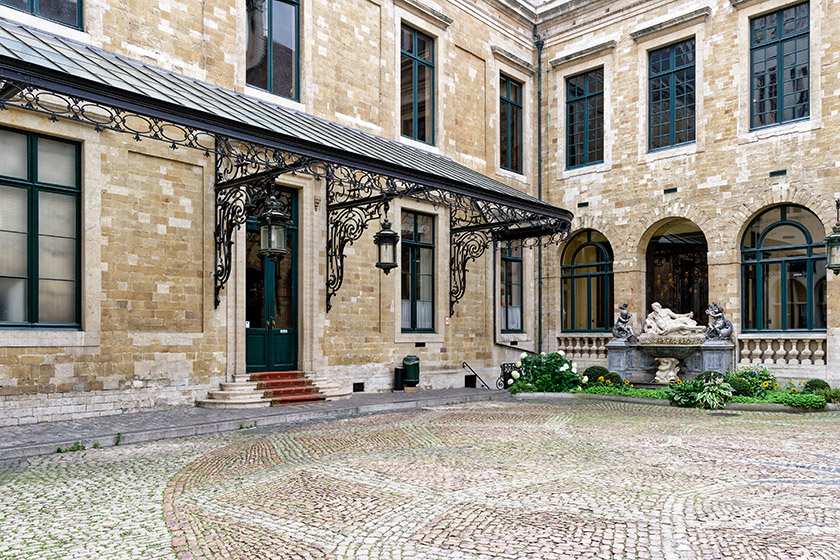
(740, 386)
(759, 378)
(830, 395)
(623, 390)
(613, 378)
(714, 394)
(708, 375)
(806, 400)
(683, 393)
(544, 373)
(814, 385)
(594, 372)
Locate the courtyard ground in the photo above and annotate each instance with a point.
(518, 480)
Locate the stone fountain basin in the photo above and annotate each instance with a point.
(679, 352)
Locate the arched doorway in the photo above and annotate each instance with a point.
(677, 268)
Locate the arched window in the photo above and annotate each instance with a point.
(587, 283)
(783, 271)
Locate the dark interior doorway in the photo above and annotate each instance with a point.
(678, 270)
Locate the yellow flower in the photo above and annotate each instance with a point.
(679, 381)
(766, 384)
(601, 378)
(775, 385)
(627, 382)
(607, 381)
(793, 390)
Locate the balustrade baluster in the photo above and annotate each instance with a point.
(806, 352)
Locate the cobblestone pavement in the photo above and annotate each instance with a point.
(518, 480)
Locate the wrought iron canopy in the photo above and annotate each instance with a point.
(254, 142)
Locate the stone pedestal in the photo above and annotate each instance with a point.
(628, 360)
(624, 357)
(718, 355)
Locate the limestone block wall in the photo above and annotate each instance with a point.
(150, 336)
(722, 180)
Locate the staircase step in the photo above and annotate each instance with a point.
(296, 399)
(248, 387)
(211, 403)
(290, 391)
(267, 375)
(234, 396)
(282, 383)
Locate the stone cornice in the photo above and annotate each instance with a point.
(512, 59)
(436, 16)
(583, 53)
(673, 23)
(738, 4)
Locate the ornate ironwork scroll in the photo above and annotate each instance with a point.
(465, 246)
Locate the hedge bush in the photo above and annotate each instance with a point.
(814, 385)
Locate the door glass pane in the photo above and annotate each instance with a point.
(56, 301)
(13, 158)
(13, 254)
(256, 49)
(13, 300)
(64, 11)
(56, 162)
(772, 295)
(284, 311)
(57, 257)
(284, 49)
(750, 308)
(567, 304)
(596, 291)
(819, 295)
(425, 118)
(581, 304)
(56, 214)
(255, 282)
(13, 208)
(426, 261)
(797, 295)
(424, 314)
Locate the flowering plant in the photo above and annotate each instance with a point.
(545, 372)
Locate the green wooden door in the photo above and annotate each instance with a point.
(271, 299)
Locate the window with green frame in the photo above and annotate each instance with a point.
(783, 271)
(417, 85)
(417, 272)
(510, 128)
(66, 12)
(272, 53)
(779, 55)
(585, 118)
(511, 308)
(587, 280)
(672, 95)
(39, 231)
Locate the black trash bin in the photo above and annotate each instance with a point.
(411, 365)
(399, 375)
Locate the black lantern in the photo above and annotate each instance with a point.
(832, 244)
(273, 223)
(386, 239)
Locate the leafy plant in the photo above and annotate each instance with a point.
(623, 390)
(805, 400)
(708, 375)
(740, 386)
(830, 395)
(594, 372)
(545, 373)
(75, 447)
(714, 394)
(683, 393)
(814, 385)
(758, 377)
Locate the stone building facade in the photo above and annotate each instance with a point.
(148, 333)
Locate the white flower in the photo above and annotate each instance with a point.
(561, 353)
(523, 355)
(510, 381)
(514, 374)
(574, 369)
(542, 353)
(518, 364)
(565, 367)
(585, 379)
(574, 364)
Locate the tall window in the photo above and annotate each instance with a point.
(39, 231)
(417, 79)
(585, 118)
(271, 56)
(510, 119)
(587, 283)
(672, 95)
(783, 268)
(511, 312)
(779, 53)
(68, 12)
(418, 272)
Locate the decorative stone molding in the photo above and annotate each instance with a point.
(738, 4)
(584, 346)
(435, 16)
(512, 59)
(673, 23)
(564, 59)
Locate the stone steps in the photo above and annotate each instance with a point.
(262, 389)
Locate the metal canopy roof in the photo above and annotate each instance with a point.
(65, 66)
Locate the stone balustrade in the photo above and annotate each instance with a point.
(586, 347)
(781, 349)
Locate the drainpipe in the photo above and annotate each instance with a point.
(538, 42)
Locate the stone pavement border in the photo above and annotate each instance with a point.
(29, 440)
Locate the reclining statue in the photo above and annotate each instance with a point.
(662, 321)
